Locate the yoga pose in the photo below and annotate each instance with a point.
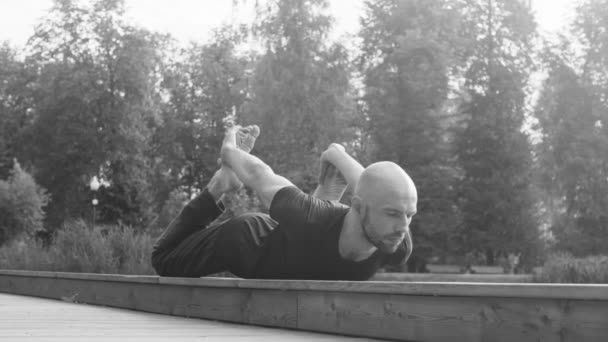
(304, 236)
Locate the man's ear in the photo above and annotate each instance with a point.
(356, 203)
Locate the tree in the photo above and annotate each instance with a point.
(409, 49)
(15, 105)
(21, 203)
(95, 108)
(300, 89)
(572, 112)
(497, 198)
(204, 87)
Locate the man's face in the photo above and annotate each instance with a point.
(387, 224)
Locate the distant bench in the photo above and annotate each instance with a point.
(455, 277)
(411, 311)
(440, 268)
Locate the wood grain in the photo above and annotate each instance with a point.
(419, 318)
(516, 290)
(38, 320)
(416, 311)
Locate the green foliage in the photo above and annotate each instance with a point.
(21, 205)
(564, 268)
(15, 106)
(95, 107)
(495, 193)
(408, 48)
(300, 91)
(572, 164)
(204, 86)
(78, 247)
(170, 209)
(572, 113)
(440, 87)
(240, 202)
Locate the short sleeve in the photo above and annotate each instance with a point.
(291, 205)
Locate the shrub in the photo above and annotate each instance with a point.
(78, 247)
(563, 268)
(21, 203)
(171, 208)
(25, 254)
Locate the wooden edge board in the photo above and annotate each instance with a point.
(344, 308)
(520, 290)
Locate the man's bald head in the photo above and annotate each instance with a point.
(385, 199)
(385, 180)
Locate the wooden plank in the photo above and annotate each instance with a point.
(37, 320)
(518, 290)
(85, 276)
(398, 310)
(419, 318)
(137, 296)
(574, 291)
(259, 307)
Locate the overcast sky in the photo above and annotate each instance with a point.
(194, 19)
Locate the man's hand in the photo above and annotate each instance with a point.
(230, 137)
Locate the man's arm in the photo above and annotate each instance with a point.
(251, 170)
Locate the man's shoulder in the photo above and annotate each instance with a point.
(299, 205)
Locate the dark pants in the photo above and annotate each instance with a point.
(191, 247)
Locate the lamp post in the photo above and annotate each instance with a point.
(94, 185)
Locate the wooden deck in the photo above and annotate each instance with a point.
(43, 320)
(404, 311)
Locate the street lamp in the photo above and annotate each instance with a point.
(94, 185)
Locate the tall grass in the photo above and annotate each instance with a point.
(77, 247)
(563, 268)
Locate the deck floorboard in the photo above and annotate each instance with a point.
(35, 319)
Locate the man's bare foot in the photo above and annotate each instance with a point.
(223, 181)
(332, 183)
(245, 138)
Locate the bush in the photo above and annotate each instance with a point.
(21, 203)
(563, 268)
(78, 247)
(171, 208)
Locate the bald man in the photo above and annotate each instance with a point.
(304, 236)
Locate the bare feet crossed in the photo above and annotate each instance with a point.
(245, 138)
(224, 179)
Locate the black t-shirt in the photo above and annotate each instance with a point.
(304, 245)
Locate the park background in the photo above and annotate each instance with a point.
(502, 127)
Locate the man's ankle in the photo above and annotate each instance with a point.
(215, 190)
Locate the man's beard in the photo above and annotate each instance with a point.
(375, 240)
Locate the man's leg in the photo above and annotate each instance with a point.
(235, 245)
(205, 208)
(251, 170)
(195, 216)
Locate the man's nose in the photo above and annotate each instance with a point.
(403, 226)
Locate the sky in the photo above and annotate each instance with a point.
(194, 20)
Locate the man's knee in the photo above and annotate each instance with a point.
(157, 262)
(241, 241)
